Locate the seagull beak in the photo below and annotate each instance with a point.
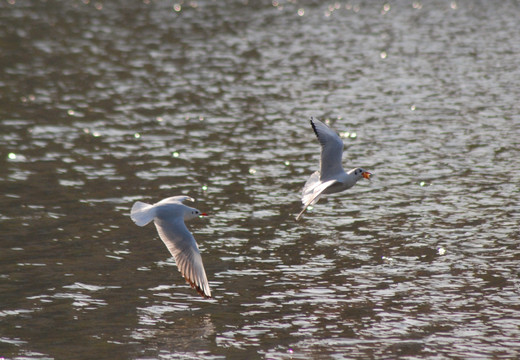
(203, 214)
(366, 175)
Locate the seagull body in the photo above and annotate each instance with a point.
(331, 178)
(168, 216)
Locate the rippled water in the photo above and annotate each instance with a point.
(105, 103)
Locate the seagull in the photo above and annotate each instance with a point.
(168, 216)
(331, 178)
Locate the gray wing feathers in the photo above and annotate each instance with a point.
(183, 247)
(331, 149)
(308, 188)
(313, 195)
(176, 199)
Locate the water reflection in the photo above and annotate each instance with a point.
(103, 104)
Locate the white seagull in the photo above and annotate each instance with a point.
(331, 178)
(168, 216)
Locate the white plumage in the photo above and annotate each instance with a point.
(168, 216)
(331, 177)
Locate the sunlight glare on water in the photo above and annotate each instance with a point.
(104, 104)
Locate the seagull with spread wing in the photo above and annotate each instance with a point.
(168, 216)
(331, 178)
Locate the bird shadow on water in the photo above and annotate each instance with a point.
(164, 329)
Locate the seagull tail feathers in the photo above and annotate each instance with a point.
(142, 213)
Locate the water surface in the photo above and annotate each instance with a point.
(106, 103)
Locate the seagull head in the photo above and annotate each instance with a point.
(191, 213)
(359, 173)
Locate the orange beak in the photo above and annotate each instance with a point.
(367, 175)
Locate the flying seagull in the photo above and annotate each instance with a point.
(331, 178)
(168, 216)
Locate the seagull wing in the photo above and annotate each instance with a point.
(308, 189)
(175, 200)
(331, 150)
(312, 198)
(183, 247)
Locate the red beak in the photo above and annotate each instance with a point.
(203, 214)
(367, 175)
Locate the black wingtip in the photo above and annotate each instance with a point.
(314, 126)
(197, 289)
(202, 293)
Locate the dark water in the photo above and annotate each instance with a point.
(104, 103)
